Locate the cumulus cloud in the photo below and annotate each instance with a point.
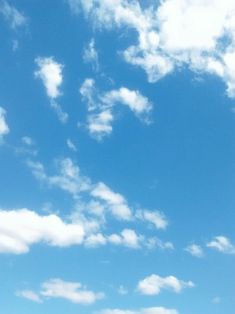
(156, 218)
(74, 292)
(222, 244)
(14, 17)
(149, 310)
(4, 128)
(19, 229)
(195, 250)
(154, 284)
(101, 106)
(50, 72)
(169, 35)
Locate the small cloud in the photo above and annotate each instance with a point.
(216, 300)
(90, 55)
(71, 145)
(154, 284)
(29, 295)
(222, 244)
(195, 250)
(4, 128)
(122, 290)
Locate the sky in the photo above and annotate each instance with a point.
(117, 153)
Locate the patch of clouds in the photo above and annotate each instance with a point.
(222, 244)
(195, 250)
(56, 288)
(101, 107)
(71, 145)
(154, 284)
(12, 15)
(169, 37)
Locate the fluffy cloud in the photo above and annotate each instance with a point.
(195, 250)
(4, 128)
(101, 106)
(14, 17)
(169, 35)
(19, 229)
(50, 72)
(156, 218)
(74, 292)
(153, 284)
(149, 310)
(222, 244)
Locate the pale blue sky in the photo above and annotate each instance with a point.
(117, 153)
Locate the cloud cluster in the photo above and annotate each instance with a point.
(170, 36)
(101, 106)
(74, 292)
(153, 284)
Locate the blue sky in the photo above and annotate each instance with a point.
(117, 157)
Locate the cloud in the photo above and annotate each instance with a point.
(195, 250)
(101, 106)
(50, 72)
(156, 218)
(72, 291)
(117, 203)
(90, 55)
(29, 295)
(149, 310)
(222, 244)
(71, 145)
(14, 17)
(169, 35)
(95, 203)
(4, 128)
(153, 284)
(19, 229)
(62, 116)
(136, 102)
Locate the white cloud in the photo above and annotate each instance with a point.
(122, 290)
(117, 203)
(90, 55)
(99, 125)
(4, 128)
(128, 238)
(153, 284)
(27, 140)
(71, 145)
(156, 218)
(62, 116)
(137, 103)
(149, 310)
(19, 229)
(14, 17)
(50, 72)
(29, 295)
(195, 250)
(222, 244)
(100, 106)
(72, 291)
(169, 35)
